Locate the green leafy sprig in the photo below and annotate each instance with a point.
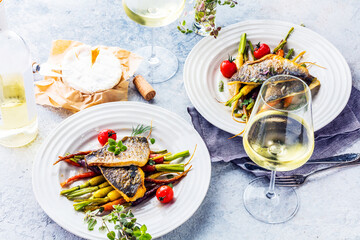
(116, 147)
(182, 28)
(126, 227)
(140, 129)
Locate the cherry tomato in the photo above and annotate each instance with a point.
(228, 68)
(165, 194)
(104, 136)
(261, 50)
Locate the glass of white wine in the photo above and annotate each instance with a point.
(279, 136)
(159, 63)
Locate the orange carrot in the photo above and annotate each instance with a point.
(72, 163)
(269, 104)
(288, 101)
(109, 206)
(77, 177)
(280, 52)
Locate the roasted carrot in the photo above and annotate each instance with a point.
(155, 158)
(288, 101)
(280, 52)
(109, 206)
(148, 168)
(76, 178)
(166, 181)
(72, 163)
(269, 104)
(71, 156)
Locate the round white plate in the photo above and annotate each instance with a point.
(79, 132)
(202, 70)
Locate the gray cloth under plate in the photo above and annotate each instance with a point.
(329, 140)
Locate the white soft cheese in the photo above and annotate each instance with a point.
(80, 73)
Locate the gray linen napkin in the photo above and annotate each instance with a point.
(329, 140)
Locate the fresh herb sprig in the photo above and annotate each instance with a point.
(126, 227)
(140, 129)
(183, 29)
(116, 147)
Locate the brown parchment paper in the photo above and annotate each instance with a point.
(52, 91)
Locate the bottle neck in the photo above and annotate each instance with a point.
(3, 22)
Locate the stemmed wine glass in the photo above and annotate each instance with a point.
(279, 137)
(159, 63)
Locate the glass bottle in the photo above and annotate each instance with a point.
(18, 117)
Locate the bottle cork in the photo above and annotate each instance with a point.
(144, 88)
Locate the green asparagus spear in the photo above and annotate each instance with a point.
(251, 49)
(92, 182)
(86, 190)
(283, 42)
(289, 54)
(159, 151)
(177, 155)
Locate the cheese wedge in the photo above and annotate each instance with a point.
(91, 70)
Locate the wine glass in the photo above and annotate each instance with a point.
(280, 137)
(159, 64)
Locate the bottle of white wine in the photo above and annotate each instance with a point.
(18, 117)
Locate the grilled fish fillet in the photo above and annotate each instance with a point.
(128, 181)
(137, 153)
(256, 72)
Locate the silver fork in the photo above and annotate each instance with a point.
(298, 179)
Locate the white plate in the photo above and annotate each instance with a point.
(79, 132)
(202, 74)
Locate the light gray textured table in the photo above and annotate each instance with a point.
(329, 206)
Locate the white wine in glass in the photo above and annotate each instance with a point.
(159, 64)
(279, 137)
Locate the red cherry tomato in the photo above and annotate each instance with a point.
(104, 136)
(261, 50)
(165, 194)
(228, 68)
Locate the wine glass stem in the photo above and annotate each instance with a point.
(271, 192)
(153, 60)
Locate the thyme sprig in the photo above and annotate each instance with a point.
(126, 226)
(140, 129)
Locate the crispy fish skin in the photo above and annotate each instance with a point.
(128, 181)
(137, 153)
(256, 72)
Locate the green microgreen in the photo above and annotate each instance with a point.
(152, 140)
(126, 226)
(183, 29)
(246, 102)
(116, 147)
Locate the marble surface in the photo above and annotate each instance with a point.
(329, 204)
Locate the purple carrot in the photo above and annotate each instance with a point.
(94, 169)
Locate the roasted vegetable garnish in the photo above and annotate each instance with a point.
(128, 181)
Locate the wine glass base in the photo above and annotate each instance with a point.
(281, 208)
(160, 68)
